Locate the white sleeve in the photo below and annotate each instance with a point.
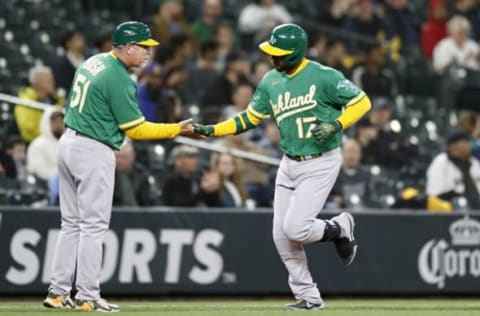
(435, 178)
(442, 56)
(37, 162)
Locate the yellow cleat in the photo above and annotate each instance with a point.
(58, 301)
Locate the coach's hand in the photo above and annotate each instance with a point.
(186, 129)
(325, 130)
(207, 130)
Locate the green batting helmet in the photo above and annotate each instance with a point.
(288, 40)
(133, 32)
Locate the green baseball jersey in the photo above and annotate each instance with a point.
(295, 102)
(103, 100)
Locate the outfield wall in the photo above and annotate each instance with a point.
(162, 251)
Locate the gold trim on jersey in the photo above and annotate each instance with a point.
(283, 116)
(255, 120)
(300, 67)
(355, 111)
(257, 114)
(355, 99)
(131, 123)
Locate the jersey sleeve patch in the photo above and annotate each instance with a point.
(131, 124)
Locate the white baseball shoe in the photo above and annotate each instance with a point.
(100, 305)
(345, 245)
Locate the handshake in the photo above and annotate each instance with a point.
(195, 130)
(322, 132)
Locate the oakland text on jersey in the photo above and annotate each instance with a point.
(285, 102)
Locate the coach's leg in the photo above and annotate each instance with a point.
(291, 253)
(314, 179)
(95, 193)
(65, 255)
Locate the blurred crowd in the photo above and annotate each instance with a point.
(207, 67)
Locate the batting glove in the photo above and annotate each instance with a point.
(325, 130)
(207, 130)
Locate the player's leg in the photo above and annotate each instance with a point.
(314, 180)
(96, 169)
(65, 254)
(291, 253)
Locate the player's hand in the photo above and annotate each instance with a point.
(323, 131)
(186, 129)
(186, 126)
(207, 130)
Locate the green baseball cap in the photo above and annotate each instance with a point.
(133, 32)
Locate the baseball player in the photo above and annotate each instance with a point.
(101, 109)
(305, 99)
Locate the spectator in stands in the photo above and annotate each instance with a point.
(455, 172)
(373, 76)
(132, 179)
(169, 21)
(183, 48)
(435, 28)
(336, 13)
(73, 43)
(365, 22)
(103, 43)
(319, 44)
(183, 188)
(205, 26)
(237, 69)
(457, 49)
(260, 68)
(254, 176)
(354, 180)
(17, 148)
(157, 96)
(242, 93)
(469, 121)
(149, 91)
(471, 10)
(41, 89)
(334, 54)
(224, 35)
(42, 152)
(259, 18)
(401, 22)
(203, 74)
(380, 144)
(7, 164)
(232, 193)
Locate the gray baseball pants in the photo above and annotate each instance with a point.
(301, 190)
(86, 171)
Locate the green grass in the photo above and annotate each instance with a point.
(231, 307)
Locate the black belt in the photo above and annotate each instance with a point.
(303, 158)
